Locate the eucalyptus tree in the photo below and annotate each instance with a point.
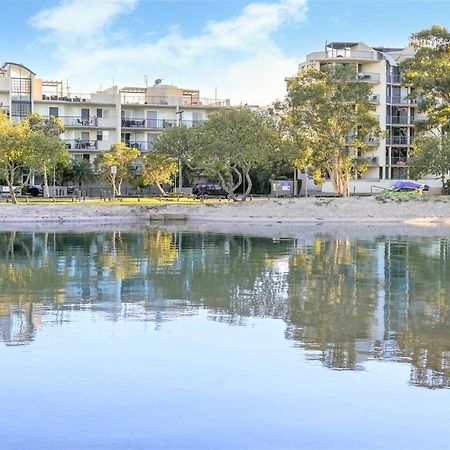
(116, 165)
(328, 119)
(17, 154)
(50, 150)
(158, 168)
(429, 75)
(231, 143)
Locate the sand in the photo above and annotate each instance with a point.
(301, 218)
(427, 211)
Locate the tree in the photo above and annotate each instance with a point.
(231, 143)
(17, 152)
(431, 155)
(179, 143)
(329, 121)
(158, 168)
(80, 172)
(121, 158)
(49, 148)
(428, 72)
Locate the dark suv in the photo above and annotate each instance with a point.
(209, 190)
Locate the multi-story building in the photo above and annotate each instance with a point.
(396, 112)
(95, 121)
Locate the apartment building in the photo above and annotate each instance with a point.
(397, 114)
(95, 121)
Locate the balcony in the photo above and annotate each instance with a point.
(148, 123)
(369, 77)
(394, 78)
(78, 121)
(399, 160)
(185, 100)
(75, 98)
(338, 53)
(398, 140)
(143, 146)
(81, 144)
(372, 161)
(374, 98)
(399, 100)
(399, 120)
(192, 123)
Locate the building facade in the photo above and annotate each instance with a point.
(95, 121)
(379, 66)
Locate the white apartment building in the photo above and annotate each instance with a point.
(379, 67)
(95, 121)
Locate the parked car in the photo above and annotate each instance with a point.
(209, 190)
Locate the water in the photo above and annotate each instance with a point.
(203, 340)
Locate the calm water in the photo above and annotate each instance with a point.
(183, 340)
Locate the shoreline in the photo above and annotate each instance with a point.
(353, 211)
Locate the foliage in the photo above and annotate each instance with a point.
(17, 153)
(121, 157)
(158, 169)
(428, 72)
(231, 143)
(431, 155)
(80, 172)
(327, 121)
(49, 149)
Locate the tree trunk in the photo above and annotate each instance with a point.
(228, 189)
(119, 187)
(10, 181)
(161, 190)
(46, 193)
(249, 184)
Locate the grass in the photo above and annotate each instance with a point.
(125, 201)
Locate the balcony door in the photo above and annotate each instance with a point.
(152, 119)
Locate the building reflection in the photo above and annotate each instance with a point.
(344, 302)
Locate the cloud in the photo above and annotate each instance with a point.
(238, 54)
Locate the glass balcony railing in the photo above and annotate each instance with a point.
(78, 121)
(350, 54)
(81, 144)
(399, 120)
(370, 77)
(148, 123)
(399, 160)
(398, 140)
(400, 100)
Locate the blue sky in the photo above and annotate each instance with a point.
(245, 49)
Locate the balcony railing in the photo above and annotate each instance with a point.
(74, 98)
(191, 123)
(399, 160)
(78, 121)
(351, 54)
(399, 120)
(133, 99)
(394, 78)
(370, 77)
(148, 123)
(81, 144)
(399, 100)
(369, 140)
(398, 140)
(143, 146)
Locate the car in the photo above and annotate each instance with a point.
(209, 190)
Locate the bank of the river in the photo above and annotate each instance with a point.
(369, 210)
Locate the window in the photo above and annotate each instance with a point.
(86, 156)
(99, 135)
(100, 113)
(53, 111)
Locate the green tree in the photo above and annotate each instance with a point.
(428, 72)
(158, 168)
(17, 153)
(49, 150)
(121, 158)
(328, 122)
(179, 143)
(431, 155)
(231, 143)
(80, 172)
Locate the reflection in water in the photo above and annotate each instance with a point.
(345, 302)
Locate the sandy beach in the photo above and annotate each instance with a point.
(354, 210)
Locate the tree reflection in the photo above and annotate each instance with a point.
(343, 301)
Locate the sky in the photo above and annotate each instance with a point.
(236, 49)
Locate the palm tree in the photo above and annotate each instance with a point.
(81, 172)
